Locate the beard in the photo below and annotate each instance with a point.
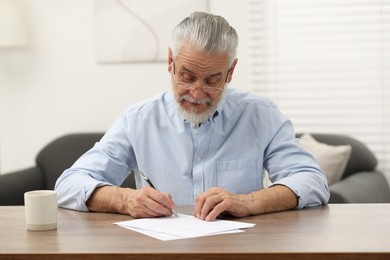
(192, 115)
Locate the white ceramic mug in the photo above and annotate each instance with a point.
(41, 210)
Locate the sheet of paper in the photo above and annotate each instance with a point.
(184, 226)
(167, 237)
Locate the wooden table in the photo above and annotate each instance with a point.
(336, 231)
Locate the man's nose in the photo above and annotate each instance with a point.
(197, 90)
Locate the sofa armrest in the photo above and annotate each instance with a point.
(14, 185)
(361, 187)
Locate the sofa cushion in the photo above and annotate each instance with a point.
(331, 159)
(362, 159)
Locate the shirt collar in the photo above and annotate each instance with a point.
(221, 104)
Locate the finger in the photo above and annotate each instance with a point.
(210, 203)
(204, 201)
(146, 204)
(139, 208)
(167, 201)
(199, 202)
(217, 210)
(160, 203)
(145, 212)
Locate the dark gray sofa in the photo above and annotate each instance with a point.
(51, 161)
(360, 183)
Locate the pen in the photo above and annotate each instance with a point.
(151, 185)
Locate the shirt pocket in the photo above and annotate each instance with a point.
(238, 176)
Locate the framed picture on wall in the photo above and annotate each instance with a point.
(138, 30)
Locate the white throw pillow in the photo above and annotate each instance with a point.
(331, 159)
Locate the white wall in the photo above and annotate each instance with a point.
(54, 86)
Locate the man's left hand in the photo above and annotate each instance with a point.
(211, 203)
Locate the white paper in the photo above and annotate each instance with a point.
(184, 226)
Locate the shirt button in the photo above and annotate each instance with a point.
(199, 158)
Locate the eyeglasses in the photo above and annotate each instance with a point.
(211, 88)
(205, 88)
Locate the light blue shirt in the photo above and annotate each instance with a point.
(246, 136)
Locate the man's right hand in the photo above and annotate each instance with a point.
(142, 203)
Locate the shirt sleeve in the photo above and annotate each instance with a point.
(290, 165)
(108, 162)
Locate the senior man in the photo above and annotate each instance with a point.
(202, 143)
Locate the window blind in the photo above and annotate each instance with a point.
(327, 65)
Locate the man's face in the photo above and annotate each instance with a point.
(199, 80)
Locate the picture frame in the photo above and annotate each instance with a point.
(134, 31)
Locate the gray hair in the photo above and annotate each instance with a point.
(205, 32)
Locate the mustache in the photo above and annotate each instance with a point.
(205, 100)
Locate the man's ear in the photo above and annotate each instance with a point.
(170, 60)
(231, 70)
